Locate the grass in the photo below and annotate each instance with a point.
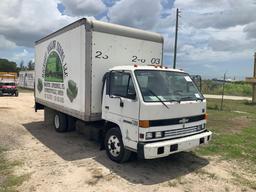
(236, 89)
(234, 130)
(234, 136)
(9, 181)
(240, 180)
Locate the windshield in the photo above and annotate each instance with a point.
(159, 86)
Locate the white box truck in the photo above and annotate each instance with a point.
(109, 79)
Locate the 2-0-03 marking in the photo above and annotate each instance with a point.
(136, 59)
(153, 60)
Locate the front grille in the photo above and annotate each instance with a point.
(183, 131)
(175, 121)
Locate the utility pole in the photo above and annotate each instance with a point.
(252, 80)
(254, 84)
(222, 98)
(176, 37)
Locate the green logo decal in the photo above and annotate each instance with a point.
(39, 85)
(72, 90)
(53, 71)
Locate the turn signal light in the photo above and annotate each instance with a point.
(144, 123)
(206, 116)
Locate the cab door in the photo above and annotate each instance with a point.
(121, 105)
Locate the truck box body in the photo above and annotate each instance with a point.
(26, 79)
(71, 63)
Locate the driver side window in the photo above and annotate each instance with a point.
(121, 85)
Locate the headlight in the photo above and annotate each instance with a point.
(200, 127)
(149, 135)
(154, 135)
(158, 134)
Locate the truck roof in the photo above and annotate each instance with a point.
(145, 67)
(99, 26)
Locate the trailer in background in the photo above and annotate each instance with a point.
(26, 79)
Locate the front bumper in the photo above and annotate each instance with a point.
(8, 91)
(165, 148)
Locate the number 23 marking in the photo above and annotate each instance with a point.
(99, 55)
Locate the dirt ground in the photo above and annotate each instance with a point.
(69, 162)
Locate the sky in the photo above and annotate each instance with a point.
(215, 36)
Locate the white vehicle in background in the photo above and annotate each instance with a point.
(96, 76)
(26, 79)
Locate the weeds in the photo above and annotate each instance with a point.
(9, 181)
(239, 144)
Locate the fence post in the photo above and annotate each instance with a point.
(223, 85)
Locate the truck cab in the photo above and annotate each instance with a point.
(153, 111)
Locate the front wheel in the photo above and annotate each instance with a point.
(114, 146)
(16, 93)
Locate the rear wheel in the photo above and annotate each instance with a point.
(16, 93)
(71, 123)
(60, 122)
(114, 146)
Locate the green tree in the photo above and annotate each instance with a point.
(22, 65)
(7, 66)
(31, 65)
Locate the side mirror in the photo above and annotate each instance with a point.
(118, 97)
(131, 96)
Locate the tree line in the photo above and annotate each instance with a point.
(10, 66)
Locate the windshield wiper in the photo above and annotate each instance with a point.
(191, 98)
(187, 98)
(158, 98)
(174, 100)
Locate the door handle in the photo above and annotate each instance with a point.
(106, 107)
(121, 103)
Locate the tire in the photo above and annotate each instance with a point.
(114, 146)
(71, 123)
(60, 122)
(16, 93)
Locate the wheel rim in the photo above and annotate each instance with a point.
(114, 146)
(57, 121)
